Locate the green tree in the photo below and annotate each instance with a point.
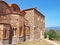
(45, 34)
(52, 34)
(58, 36)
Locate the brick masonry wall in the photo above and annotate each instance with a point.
(30, 17)
(36, 23)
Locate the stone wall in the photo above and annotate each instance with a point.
(30, 18)
(5, 33)
(39, 24)
(36, 23)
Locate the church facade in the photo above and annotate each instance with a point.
(20, 25)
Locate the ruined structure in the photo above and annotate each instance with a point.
(18, 26)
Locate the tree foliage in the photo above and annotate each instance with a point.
(51, 33)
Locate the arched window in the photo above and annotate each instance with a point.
(5, 33)
(20, 31)
(14, 31)
(1, 10)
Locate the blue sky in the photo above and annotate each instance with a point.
(49, 8)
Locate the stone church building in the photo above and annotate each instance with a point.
(20, 25)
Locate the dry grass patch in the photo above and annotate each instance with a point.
(36, 42)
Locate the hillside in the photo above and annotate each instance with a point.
(54, 28)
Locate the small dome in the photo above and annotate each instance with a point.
(4, 3)
(4, 7)
(15, 7)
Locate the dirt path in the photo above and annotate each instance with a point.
(54, 43)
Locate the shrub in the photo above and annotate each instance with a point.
(57, 37)
(45, 35)
(52, 34)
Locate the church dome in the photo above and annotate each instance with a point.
(4, 3)
(15, 8)
(4, 7)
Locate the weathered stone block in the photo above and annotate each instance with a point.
(27, 38)
(16, 40)
(5, 41)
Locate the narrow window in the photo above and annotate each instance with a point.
(1, 10)
(20, 31)
(14, 31)
(4, 33)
